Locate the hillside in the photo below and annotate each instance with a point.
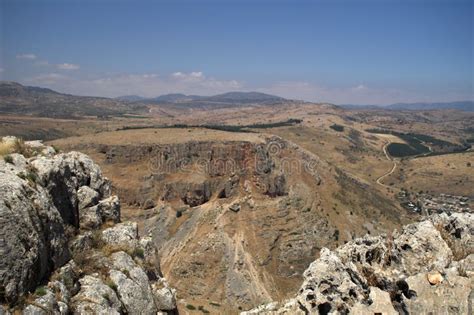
(236, 216)
(216, 101)
(33, 101)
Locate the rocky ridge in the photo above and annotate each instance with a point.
(62, 245)
(426, 268)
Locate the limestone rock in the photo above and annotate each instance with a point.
(165, 298)
(330, 284)
(132, 285)
(452, 296)
(32, 238)
(235, 207)
(110, 209)
(381, 304)
(87, 197)
(96, 297)
(46, 203)
(122, 234)
(63, 175)
(43, 305)
(425, 268)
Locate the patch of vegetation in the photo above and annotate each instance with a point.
(190, 307)
(111, 284)
(138, 252)
(417, 144)
(401, 150)
(228, 128)
(40, 291)
(202, 309)
(56, 149)
(336, 127)
(126, 272)
(8, 159)
(20, 147)
(214, 304)
(6, 148)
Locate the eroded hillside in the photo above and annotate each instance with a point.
(237, 217)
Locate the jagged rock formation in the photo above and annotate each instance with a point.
(427, 268)
(56, 256)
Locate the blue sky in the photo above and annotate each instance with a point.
(373, 52)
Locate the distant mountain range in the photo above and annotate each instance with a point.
(226, 98)
(35, 101)
(467, 106)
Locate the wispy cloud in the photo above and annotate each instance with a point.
(28, 56)
(67, 66)
(42, 63)
(357, 94)
(145, 84)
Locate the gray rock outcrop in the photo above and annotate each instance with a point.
(54, 254)
(425, 268)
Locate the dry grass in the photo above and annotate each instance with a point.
(387, 259)
(6, 148)
(16, 146)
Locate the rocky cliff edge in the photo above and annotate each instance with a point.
(426, 268)
(63, 247)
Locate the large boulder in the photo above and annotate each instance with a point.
(96, 297)
(32, 237)
(63, 176)
(132, 284)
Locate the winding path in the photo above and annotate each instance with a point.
(394, 167)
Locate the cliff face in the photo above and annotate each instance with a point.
(427, 268)
(237, 220)
(62, 247)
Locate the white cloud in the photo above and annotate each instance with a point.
(26, 56)
(42, 63)
(360, 87)
(68, 66)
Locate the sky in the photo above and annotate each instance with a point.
(343, 52)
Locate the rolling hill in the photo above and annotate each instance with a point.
(34, 101)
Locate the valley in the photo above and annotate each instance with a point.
(240, 199)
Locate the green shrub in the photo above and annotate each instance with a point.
(40, 291)
(138, 252)
(337, 127)
(31, 176)
(8, 159)
(190, 307)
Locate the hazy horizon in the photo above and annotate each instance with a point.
(341, 52)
